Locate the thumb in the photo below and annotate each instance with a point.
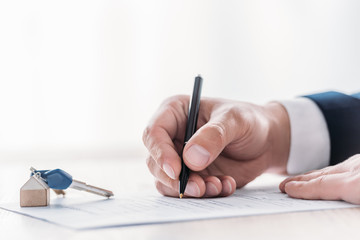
(207, 144)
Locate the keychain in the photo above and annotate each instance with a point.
(36, 191)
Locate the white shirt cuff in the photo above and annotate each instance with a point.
(310, 140)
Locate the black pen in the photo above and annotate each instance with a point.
(190, 130)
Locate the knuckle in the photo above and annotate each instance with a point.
(149, 135)
(149, 162)
(354, 161)
(173, 101)
(231, 113)
(353, 164)
(150, 132)
(353, 158)
(146, 134)
(321, 180)
(159, 156)
(326, 170)
(169, 106)
(176, 104)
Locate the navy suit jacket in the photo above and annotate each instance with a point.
(342, 116)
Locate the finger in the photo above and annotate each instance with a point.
(312, 175)
(303, 177)
(168, 191)
(213, 186)
(163, 151)
(158, 136)
(326, 187)
(160, 175)
(195, 186)
(207, 143)
(210, 186)
(165, 190)
(228, 185)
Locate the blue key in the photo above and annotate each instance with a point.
(59, 179)
(56, 179)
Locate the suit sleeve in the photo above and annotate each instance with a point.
(342, 115)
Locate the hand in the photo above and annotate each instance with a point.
(235, 142)
(339, 182)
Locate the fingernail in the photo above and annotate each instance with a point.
(192, 189)
(197, 155)
(229, 185)
(169, 171)
(211, 189)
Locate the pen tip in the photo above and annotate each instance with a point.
(181, 195)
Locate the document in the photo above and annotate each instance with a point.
(145, 208)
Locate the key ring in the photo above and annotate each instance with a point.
(36, 173)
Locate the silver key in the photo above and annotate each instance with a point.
(60, 180)
(82, 186)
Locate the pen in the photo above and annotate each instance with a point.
(190, 130)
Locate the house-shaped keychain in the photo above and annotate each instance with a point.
(34, 193)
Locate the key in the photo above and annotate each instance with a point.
(59, 180)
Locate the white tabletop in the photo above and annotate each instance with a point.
(125, 176)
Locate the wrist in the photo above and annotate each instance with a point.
(279, 137)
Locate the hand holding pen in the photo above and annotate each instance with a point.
(234, 143)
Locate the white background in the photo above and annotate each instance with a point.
(80, 79)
